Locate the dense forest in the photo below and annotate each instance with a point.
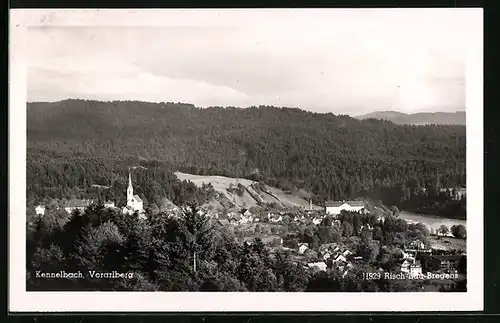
(74, 145)
(52, 177)
(192, 252)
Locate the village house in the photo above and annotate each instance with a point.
(303, 247)
(40, 210)
(317, 220)
(417, 244)
(247, 242)
(455, 193)
(274, 241)
(326, 256)
(449, 262)
(275, 218)
(334, 207)
(109, 204)
(336, 222)
(75, 204)
(246, 213)
(168, 206)
(347, 253)
(343, 265)
(460, 193)
(223, 222)
(317, 265)
(408, 255)
(299, 218)
(245, 217)
(233, 217)
(411, 267)
(340, 258)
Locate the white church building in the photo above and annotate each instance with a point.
(134, 202)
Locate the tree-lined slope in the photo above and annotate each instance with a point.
(331, 156)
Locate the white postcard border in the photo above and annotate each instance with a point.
(22, 301)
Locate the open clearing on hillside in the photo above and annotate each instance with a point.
(221, 184)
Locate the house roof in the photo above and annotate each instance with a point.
(340, 203)
(137, 198)
(223, 221)
(319, 265)
(78, 203)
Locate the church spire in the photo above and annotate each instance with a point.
(130, 190)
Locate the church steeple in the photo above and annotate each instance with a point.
(130, 190)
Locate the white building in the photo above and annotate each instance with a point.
(411, 267)
(317, 221)
(109, 204)
(340, 258)
(134, 202)
(317, 265)
(334, 207)
(347, 253)
(275, 219)
(303, 247)
(80, 205)
(416, 269)
(40, 210)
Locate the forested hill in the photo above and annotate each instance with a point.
(332, 156)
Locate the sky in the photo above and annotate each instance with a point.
(341, 61)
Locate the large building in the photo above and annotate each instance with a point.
(449, 262)
(334, 207)
(134, 202)
(79, 205)
(109, 204)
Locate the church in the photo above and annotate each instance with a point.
(134, 202)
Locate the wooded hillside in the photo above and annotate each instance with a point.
(334, 157)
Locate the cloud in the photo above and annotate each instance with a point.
(362, 61)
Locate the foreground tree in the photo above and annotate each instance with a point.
(443, 230)
(459, 231)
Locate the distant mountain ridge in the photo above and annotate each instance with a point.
(439, 118)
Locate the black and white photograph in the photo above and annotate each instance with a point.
(318, 155)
